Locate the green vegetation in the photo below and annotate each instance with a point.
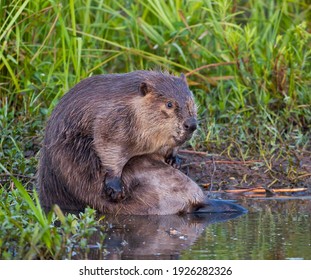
(247, 62)
(28, 233)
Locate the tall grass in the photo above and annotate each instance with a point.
(248, 62)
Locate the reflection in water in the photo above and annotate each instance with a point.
(153, 237)
(271, 230)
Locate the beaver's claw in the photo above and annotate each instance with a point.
(174, 161)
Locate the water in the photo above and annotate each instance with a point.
(273, 229)
(255, 236)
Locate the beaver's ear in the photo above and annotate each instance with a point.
(183, 77)
(144, 88)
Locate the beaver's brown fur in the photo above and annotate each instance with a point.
(154, 188)
(104, 121)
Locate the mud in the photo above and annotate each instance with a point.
(229, 177)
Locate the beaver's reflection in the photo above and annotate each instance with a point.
(152, 237)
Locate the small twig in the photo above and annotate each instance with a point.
(221, 162)
(192, 152)
(304, 175)
(305, 151)
(216, 161)
(212, 175)
(212, 65)
(273, 182)
(262, 190)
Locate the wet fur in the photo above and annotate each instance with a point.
(100, 124)
(154, 188)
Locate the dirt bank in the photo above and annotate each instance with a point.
(252, 178)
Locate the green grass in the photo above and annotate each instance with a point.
(27, 232)
(247, 62)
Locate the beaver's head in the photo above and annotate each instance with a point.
(169, 108)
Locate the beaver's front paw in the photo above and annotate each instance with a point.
(113, 188)
(174, 161)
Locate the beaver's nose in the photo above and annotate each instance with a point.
(190, 124)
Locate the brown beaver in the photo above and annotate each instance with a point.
(156, 188)
(153, 188)
(104, 121)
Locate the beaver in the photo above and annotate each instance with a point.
(103, 122)
(154, 187)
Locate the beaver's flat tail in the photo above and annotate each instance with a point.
(220, 206)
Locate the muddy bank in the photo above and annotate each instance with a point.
(251, 178)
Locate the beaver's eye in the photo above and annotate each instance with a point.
(169, 105)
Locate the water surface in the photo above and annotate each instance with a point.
(272, 229)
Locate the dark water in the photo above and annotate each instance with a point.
(272, 229)
(255, 236)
